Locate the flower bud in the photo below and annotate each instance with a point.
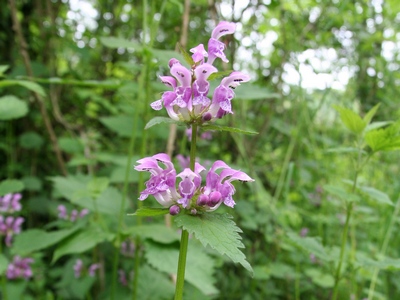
(215, 198)
(202, 200)
(207, 117)
(174, 210)
(193, 211)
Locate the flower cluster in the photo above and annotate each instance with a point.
(63, 213)
(189, 193)
(10, 226)
(78, 268)
(10, 203)
(188, 101)
(19, 268)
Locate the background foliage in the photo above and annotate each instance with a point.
(81, 88)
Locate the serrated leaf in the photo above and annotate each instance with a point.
(23, 244)
(12, 107)
(188, 58)
(309, 244)
(156, 232)
(368, 117)
(376, 125)
(350, 119)
(199, 266)
(377, 195)
(81, 242)
(226, 128)
(218, 231)
(218, 75)
(150, 212)
(11, 186)
(385, 139)
(161, 120)
(341, 193)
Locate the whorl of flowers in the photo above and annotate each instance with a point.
(188, 100)
(185, 190)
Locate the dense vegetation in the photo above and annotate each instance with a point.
(319, 221)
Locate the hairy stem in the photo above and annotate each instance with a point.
(180, 278)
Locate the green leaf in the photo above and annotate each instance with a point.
(319, 278)
(199, 266)
(188, 58)
(10, 186)
(161, 120)
(12, 108)
(3, 263)
(368, 117)
(155, 232)
(218, 231)
(23, 244)
(254, 92)
(121, 124)
(150, 212)
(385, 139)
(377, 195)
(116, 42)
(350, 119)
(153, 285)
(218, 75)
(31, 140)
(341, 193)
(118, 175)
(81, 242)
(226, 128)
(32, 183)
(75, 189)
(97, 185)
(309, 244)
(32, 86)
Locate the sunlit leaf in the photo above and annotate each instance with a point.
(188, 58)
(32, 86)
(368, 117)
(156, 232)
(350, 119)
(341, 193)
(218, 231)
(116, 42)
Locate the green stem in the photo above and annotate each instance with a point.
(383, 249)
(180, 278)
(359, 166)
(3, 280)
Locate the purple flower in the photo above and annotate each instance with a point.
(188, 101)
(10, 226)
(75, 214)
(19, 268)
(78, 266)
(304, 231)
(190, 194)
(215, 47)
(122, 277)
(162, 181)
(92, 269)
(10, 203)
(62, 212)
(128, 248)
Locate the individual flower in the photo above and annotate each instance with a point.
(10, 226)
(161, 184)
(78, 266)
(19, 268)
(10, 203)
(185, 190)
(188, 101)
(92, 269)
